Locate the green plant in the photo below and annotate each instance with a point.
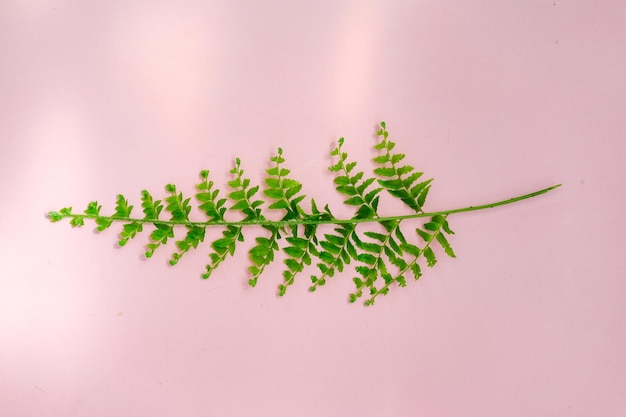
(383, 259)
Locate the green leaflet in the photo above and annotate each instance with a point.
(305, 238)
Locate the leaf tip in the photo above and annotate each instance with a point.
(54, 216)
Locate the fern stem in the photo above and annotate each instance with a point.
(261, 221)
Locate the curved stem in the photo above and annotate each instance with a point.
(280, 223)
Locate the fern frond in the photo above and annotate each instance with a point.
(412, 193)
(299, 254)
(223, 247)
(210, 205)
(338, 250)
(434, 232)
(383, 258)
(151, 208)
(123, 211)
(354, 186)
(382, 246)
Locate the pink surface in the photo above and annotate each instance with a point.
(491, 98)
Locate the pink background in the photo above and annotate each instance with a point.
(491, 98)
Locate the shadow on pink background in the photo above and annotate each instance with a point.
(492, 99)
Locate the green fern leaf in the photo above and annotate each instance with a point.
(151, 208)
(383, 259)
(398, 186)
